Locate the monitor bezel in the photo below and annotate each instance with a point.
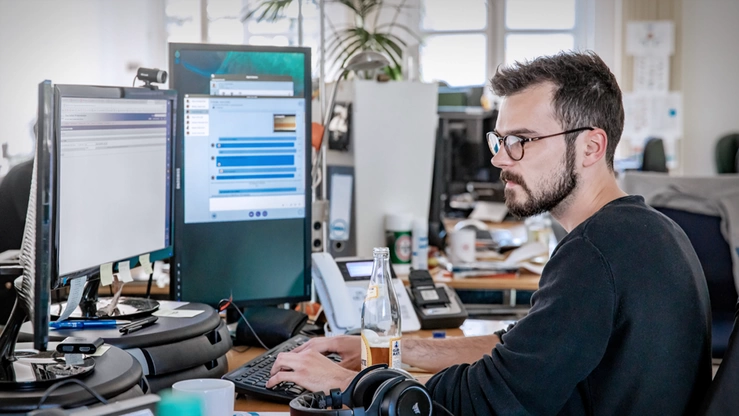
(110, 92)
(44, 256)
(175, 274)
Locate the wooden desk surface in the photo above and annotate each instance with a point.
(471, 327)
(525, 281)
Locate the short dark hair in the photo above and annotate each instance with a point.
(586, 92)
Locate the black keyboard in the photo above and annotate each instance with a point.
(250, 378)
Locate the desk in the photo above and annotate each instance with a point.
(471, 327)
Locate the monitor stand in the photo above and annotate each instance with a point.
(91, 307)
(32, 369)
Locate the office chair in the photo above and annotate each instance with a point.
(723, 394)
(714, 253)
(727, 154)
(654, 158)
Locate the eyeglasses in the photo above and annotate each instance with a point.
(514, 144)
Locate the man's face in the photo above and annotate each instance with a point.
(545, 176)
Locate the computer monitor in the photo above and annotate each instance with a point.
(242, 217)
(39, 232)
(113, 167)
(102, 187)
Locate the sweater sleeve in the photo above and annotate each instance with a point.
(547, 353)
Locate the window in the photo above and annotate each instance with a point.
(538, 27)
(455, 43)
(465, 40)
(211, 21)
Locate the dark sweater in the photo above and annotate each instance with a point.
(14, 191)
(620, 325)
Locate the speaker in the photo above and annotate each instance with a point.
(318, 219)
(375, 391)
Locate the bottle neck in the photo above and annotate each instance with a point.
(381, 268)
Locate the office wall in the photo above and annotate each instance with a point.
(70, 41)
(710, 79)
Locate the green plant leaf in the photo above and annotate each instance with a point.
(271, 10)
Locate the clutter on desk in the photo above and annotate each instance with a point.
(529, 256)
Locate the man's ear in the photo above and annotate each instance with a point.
(596, 142)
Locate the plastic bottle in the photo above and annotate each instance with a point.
(381, 315)
(420, 236)
(539, 229)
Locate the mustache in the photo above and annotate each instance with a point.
(508, 176)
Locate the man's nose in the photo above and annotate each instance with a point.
(501, 159)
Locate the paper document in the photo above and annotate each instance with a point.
(177, 313)
(489, 211)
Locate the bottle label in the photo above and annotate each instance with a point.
(372, 292)
(385, 352)
(395, 353)
(365, 354)
(399, 243)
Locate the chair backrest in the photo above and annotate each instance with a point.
(723, 394)
(714, 253)
(654, 159)
(727, 154)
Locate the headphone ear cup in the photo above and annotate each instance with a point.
(407, 397)
(366, 387)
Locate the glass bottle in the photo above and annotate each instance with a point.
(381, 315)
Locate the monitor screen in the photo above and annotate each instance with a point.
(113, 187)
(242, 217)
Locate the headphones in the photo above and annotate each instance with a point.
(375, 391)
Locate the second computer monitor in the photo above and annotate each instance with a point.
(113, 193)
(243, 173)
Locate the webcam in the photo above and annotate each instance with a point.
(151, 75)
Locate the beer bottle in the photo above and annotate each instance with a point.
(381, 315)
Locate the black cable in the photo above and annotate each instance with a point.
(133, 84)
(55, 386)
(225, 303)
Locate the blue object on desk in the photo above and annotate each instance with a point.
(439, 334)
(92, 324)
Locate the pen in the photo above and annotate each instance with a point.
(99, 323)
(135, 326)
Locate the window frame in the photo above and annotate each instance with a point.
(495, 31)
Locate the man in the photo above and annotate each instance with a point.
(620, 323)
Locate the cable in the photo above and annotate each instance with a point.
(55, 386)
(225, 303)
(133, 84)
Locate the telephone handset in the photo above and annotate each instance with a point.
(341, 287)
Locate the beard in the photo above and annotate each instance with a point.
(553, 191)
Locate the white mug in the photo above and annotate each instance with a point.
(461, 247)
(216, 395)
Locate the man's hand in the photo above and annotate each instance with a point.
(309, 369)
(348, 347)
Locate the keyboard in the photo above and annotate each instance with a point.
(250, 378)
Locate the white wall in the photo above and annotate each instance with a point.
(71, 41)
(710, 79)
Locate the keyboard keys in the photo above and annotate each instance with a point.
(252, 377)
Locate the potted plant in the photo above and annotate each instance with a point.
(362, 34)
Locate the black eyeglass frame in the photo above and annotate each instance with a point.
(494, 139)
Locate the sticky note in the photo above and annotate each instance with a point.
(100, 351)
(76, 290)
(124, 272)
(146, 263)
(106, 274)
